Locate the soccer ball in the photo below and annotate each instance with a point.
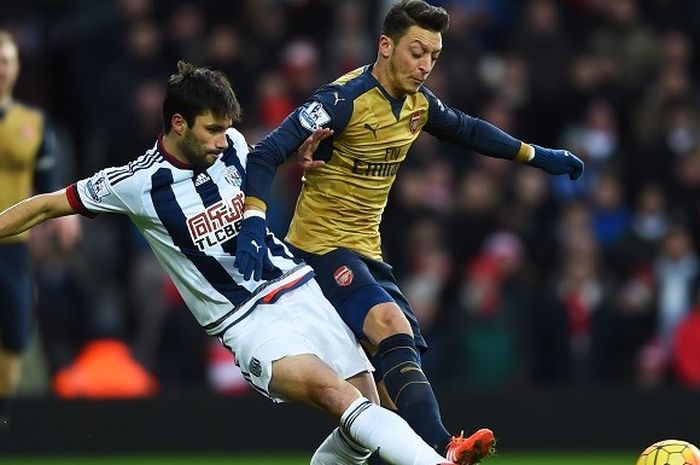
(670, 452)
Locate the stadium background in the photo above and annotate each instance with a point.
(552, 308)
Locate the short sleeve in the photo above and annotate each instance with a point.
(102, 194)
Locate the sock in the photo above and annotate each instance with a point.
(410, 390)
(339, 449)
(381, 430)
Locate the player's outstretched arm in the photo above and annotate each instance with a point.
(33, 211)
(454, 126)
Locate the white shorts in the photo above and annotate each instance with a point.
(302, 321)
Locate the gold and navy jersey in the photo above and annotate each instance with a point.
(26, 157)
(341, 203)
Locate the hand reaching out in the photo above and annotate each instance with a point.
(305, 153)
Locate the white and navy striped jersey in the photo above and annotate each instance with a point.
(191, 220)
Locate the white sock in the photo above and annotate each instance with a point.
(338, 449)
(379, 429)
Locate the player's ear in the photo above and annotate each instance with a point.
(178, 123)
(386, 46)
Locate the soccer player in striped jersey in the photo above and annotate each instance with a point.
(369, 118)
(185, 195)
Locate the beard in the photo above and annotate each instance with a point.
(196, 155)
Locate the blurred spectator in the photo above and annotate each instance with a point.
(676, 270)
(184, 35)
(547, 54)
(350, 45)
(611, 217)
(686, 349)
(493, 311)
(27, 165)
(428, 269)
(649, 224)
(574, 329)
(629, 42)
(474, 215)
(300, 65)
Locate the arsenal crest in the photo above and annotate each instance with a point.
(343, 276)
(413, 123)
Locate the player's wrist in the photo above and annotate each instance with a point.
(253, 213)
(526, 153)
(254, 203)
(254, 225)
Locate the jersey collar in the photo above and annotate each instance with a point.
(170, 158)
(395, 103)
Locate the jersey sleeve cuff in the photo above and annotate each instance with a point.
(256, 203)
(76, 203)
(525, 153)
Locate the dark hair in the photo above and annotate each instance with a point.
(407, 13)
(193, 91)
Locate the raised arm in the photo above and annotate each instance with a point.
(33, 211)
(454, 126)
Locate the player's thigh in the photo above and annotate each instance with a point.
(308, 379)
(16, 304)
(348, 284)
(301, 322)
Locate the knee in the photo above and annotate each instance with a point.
(385, 320)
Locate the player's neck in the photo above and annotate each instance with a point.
(170, 145)
(380, 71)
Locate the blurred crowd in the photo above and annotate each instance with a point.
(519, 278)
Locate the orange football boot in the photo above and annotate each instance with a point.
(471, 450)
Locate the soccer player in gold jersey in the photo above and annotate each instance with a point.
(26, 166)
(365, 122)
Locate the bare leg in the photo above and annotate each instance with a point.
(307, 379)
(338, 448)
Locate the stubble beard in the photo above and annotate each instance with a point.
(194, 152)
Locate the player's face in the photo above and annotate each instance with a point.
(412, 59)
(9, 67)
(203, 143)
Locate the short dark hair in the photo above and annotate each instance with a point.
(193, 91)
(407, 13)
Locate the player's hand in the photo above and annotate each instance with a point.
(251, 251)
(557, 161)
(305, 154)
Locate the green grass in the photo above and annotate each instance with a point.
(504, 459)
